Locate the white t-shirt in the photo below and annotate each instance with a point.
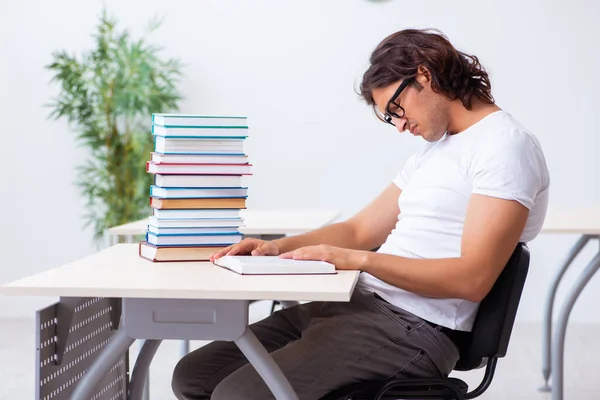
(495, 157)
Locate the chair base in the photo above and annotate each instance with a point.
(420, 388)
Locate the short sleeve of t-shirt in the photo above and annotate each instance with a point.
(509, 165)
(404, 175)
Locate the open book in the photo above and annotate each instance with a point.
(273, 265)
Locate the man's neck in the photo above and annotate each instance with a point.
(461, 118)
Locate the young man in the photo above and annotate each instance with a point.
(447, 225)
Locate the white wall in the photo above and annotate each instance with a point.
(292, 68)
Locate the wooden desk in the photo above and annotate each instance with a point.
(189, 295)
(262, 224)
(580, 222)
(586, 224)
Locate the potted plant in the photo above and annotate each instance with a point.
(108, 95)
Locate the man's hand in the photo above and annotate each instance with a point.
(249, 246)
(341, 258)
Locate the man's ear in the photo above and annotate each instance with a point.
(423, 75)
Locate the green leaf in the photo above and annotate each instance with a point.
(108, 95)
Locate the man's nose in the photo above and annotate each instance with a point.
(401, 124)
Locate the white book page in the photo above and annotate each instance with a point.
(273, 261)
(273, 264)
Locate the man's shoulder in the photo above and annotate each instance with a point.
(505, 132)
(509, 146)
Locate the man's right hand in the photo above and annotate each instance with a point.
(249, 246)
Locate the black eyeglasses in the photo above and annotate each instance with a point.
(400, 112)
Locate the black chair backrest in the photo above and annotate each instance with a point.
(496, 315)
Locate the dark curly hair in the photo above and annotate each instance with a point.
(453, 73)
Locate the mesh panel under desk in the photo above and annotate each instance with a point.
(90, 330)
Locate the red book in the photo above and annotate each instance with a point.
(176, 253)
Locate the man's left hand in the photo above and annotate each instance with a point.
(341, 258)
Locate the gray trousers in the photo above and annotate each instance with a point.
(320, 347)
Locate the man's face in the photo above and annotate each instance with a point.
(425, 112)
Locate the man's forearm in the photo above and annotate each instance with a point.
(340, 234)
(440, 278)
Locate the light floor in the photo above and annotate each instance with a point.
(518, 376)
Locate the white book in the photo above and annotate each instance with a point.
(195, 222)
(191, 231)
(198, 120)
(193, 240)
(197, 181)
(198, 131)
(197, 193)
(199, 158)
(216, 213)
(209, 169)
(273, 265)
(198, 145)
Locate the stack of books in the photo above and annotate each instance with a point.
(198, 165)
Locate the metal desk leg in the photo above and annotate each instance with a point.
(288, 304)
(204, 319)
(107, 357)
(558, 340)
(111, 239)
(547, 324)
(184, 348)
(266, 367)
(146, 393)
(139, 376)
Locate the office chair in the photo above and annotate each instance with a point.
(487, 342)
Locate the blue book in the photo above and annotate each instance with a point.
(197, 120)
(216, 158)
(198, 193)
(216, 239)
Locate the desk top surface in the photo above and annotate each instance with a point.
(119, 272)
(258, 222)
(580, 221)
